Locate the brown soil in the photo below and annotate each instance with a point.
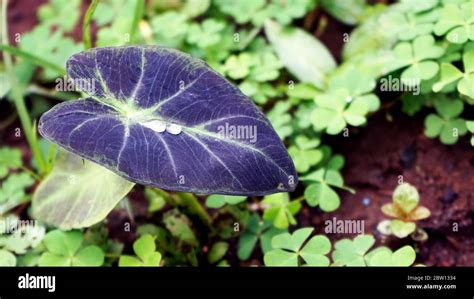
(444, 175)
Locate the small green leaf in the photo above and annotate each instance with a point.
(10, 158)
(301, 53)
(73, 195)
(7, 259)
(217, 252)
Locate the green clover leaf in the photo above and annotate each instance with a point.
(280, 210)
(7, 259)
(304, 153)
(170, 29)
(216, 201)
(347, 101)
(259, 92)
(256, 230)
(457, 21)
(446, 124)
(64, 249)
(450, 74)
(147, 256)
(320, 191)
(415, 25)
(281, 119)
(352, 252)
(384, 257)
(417, 56)
(206, 34)
(57, 49)
(288, 249)
(10, 158)
(63, 14)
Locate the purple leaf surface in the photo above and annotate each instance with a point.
(159, 117)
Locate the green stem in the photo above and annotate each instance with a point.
(30, 57)
(86, 33)
(18, 96)
(194, 206)
(139, 8)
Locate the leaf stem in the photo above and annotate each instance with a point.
(86, 33)
(30, 57)
(139, 9)
(194, 206)
(18, 96)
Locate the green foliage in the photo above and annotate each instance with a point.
(302, 54)
(256, 230)
(147, 256)
(347, 101)
(218, 201)
(66, 249)
(10, 158)
(456, 22)
(295, 249)
(179, 226)
(403, 257)
(12, 191)
(73, 195)
(470, 127)
(450, 74)
(7, 259)
(320, 190)
(349, 12)
(305, 153)
(19, 236)
(446, 123)
(280, 210)
(405, 210)
(417, 57)
(257, 11)
(62, 14)
(217, 252)
(352, 252)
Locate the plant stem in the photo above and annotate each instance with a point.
(192, 203)
(139, 8)
(30, 57)
(86, 33)
(18, 96)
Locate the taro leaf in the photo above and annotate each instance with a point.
(159, 117)
(301, 53)
(78, 193)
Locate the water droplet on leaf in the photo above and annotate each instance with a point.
(174, 129)
(156, 125)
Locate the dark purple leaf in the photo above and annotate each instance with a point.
(159, 117)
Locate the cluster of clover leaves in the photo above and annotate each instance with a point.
(284, 69)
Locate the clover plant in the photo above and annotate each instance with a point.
(255, 231)
(405, 211)
(65, 249)
(145, 249)
(295, 249)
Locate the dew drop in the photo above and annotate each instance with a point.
(174, 129)
(348, 99)
(156, 125)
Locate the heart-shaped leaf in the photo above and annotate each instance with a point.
(73, 195)
(158, 117)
